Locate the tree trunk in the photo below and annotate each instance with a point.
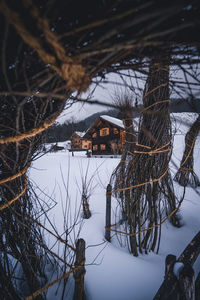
(186, 175)
(147, 174)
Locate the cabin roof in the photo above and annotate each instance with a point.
(114, 121)
(79, 133)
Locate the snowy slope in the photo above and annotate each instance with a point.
(111, 272)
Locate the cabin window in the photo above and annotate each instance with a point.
(95, 147)
(115, 131)
(94, 135)
(104, 131)
(103, 147)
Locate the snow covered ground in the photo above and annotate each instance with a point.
(111, 271)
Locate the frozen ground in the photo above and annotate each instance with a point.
(112, 273)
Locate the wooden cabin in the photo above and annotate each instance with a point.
(79, 142)
(107, 136)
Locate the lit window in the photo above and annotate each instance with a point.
(95, 147)
(94, 135)
(115, 131)
(104, 131)
(103, 147)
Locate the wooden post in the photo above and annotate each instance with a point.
(197, 287)
(168, 289)
(192, 251)
(169, 265)
(108, 212)
(80, 272)
(187, 283)
(86, 208)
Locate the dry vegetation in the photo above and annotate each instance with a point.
(52, 49)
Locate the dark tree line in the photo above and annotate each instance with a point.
(62, 132)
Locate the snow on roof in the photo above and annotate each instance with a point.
(79, 133)
(113, 120)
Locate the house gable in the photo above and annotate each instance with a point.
(106, 135)
(78, 142)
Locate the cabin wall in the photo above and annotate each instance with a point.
(78, 143)
(86, 144)
(106, 139)
(75, 142)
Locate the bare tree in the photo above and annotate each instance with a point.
(124, 101)
(147, 186)
(186, 175)
(51, 49)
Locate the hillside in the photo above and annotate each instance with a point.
(111, 271)
(62, 132)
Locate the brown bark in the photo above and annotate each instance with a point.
(186, 175)
(150, 161)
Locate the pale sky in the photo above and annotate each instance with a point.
(103, 93)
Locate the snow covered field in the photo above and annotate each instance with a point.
(112, 273)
